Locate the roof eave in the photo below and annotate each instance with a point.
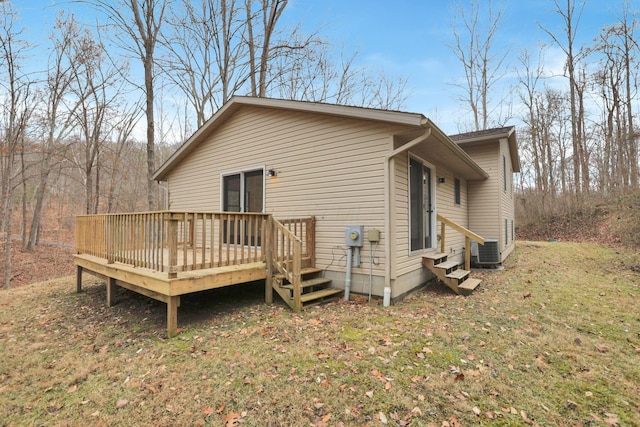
(475, 170)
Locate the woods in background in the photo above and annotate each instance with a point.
(83, 129)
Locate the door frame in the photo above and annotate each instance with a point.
(241, 172)
(431, 219)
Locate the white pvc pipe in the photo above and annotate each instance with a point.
(347, 283)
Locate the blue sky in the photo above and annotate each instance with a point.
(404, 37)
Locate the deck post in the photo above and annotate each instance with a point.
(110, 234)
(297, 266)
(268, 242)
(172, 241)
(442, 231)
(78, 279)
(173, 302)
(111, 287)
(311, 240)
(467, 253)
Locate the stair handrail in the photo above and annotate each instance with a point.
(284, 255)
(468, 235)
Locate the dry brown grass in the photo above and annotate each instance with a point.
(552, 340)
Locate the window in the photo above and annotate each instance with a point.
(513, 230)
(506, 232)
(456, 196)
(504, 173)
(243, 191)
(421, 210)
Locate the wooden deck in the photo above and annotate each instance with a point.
(164, 255)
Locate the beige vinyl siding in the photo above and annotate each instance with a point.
(484, 196)
(446, 206)
(406, 262)
(329, 167)
(507, 207)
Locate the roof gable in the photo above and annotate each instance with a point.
(410, 121)
(488, 135)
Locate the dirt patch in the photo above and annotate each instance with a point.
(45, 263)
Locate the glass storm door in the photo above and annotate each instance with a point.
(243, 192)
(421, 205)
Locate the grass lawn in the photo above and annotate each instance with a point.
(553, 340)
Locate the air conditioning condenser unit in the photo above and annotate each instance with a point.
(487, 254)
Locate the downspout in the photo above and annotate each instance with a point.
(388, 201)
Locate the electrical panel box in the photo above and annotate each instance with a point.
(373, 235)
(354, 235)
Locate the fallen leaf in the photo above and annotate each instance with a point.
(369, 394)
(383, 418)
(73, 388)
(121, 403)
(459, 377)
(527, 295)
(525, 418)
(207, 410)
(55, 407)
(231, 419)
(476, 410)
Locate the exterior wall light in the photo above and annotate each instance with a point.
(272, 173)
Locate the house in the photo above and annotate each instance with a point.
(376, 203)
(385, 170)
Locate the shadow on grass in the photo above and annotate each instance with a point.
(143, 314)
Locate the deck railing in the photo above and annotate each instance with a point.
(290, 241)
(171, 242)
(468, 235)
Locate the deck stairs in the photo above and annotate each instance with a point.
(315, 289)
(450, 274)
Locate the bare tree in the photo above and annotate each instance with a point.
(260, 48)
(207, 53)
(95, 86)
(57, 115)
(15, 113)
(311, 74)
(474, 37)
(138, 24)
(126, 120)
(571, 22)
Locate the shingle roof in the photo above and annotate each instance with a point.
(483, 134)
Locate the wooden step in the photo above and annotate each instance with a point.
(468, 286)
(303, 272)
(324, 293)
(458, 274)
(437, 257)
(318, 281)
(447, 265)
